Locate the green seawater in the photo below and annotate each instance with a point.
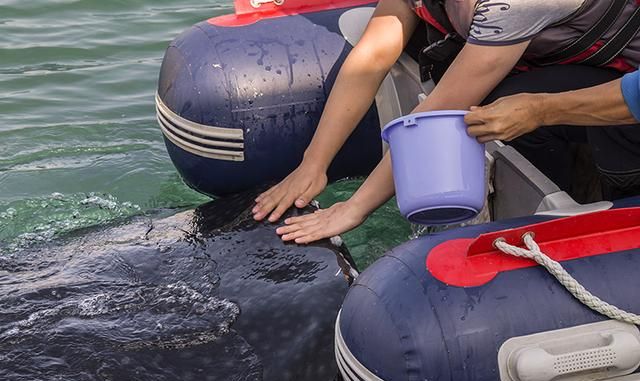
(79, 143)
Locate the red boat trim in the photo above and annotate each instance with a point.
(246, 14)
(475, 262)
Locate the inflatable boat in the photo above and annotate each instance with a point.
(451, 307)
(238, 100)
(239, 96)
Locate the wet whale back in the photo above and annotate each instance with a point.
(206, 294)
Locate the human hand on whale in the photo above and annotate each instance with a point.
(474, 73)
(299, 188)
(340, 217)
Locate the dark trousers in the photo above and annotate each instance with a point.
(615, 150)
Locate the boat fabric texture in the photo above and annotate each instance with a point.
(549, 25)
(631, 92)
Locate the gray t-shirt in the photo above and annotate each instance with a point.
(506, 22)
(550, 24)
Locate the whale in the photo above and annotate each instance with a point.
(202, 294)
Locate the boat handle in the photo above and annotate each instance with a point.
(621, 354)
(258, 3)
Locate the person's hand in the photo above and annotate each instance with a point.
(507, 118)
(300, 187)
(324, 223)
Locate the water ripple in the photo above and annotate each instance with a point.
(47, 157)
(107, 306)
(27, 222)
(45, 68)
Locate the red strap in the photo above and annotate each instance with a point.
(424, 14)
(522, 67)
(619, 63)
(584, 55)
(475, 262)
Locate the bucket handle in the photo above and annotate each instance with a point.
(410, 121)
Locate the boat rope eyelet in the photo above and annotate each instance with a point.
(258, 3)
(533, 252)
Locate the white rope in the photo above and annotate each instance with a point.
(572, 285)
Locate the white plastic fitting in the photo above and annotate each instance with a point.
(597, 351)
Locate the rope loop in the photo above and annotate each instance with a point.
(570, 283)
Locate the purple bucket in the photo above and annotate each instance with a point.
(438, 169)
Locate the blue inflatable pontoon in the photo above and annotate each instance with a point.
(239, 96)
(450, 307)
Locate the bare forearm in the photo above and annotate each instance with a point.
(377, 189)
(350, 98)
(601, 105)
(385, 37)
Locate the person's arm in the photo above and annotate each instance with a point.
(360, 76)
(601, 105)
(507, 118)
(474, 73)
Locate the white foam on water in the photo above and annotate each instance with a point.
(27, 222)
(140, 312)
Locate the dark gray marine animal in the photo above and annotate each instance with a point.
(207, 294)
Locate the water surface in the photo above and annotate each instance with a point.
(80, 144)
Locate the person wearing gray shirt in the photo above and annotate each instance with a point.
(497, 36)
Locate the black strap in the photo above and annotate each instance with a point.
(612, 48)
(438, 56)
(437, 10)
(589, 38)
